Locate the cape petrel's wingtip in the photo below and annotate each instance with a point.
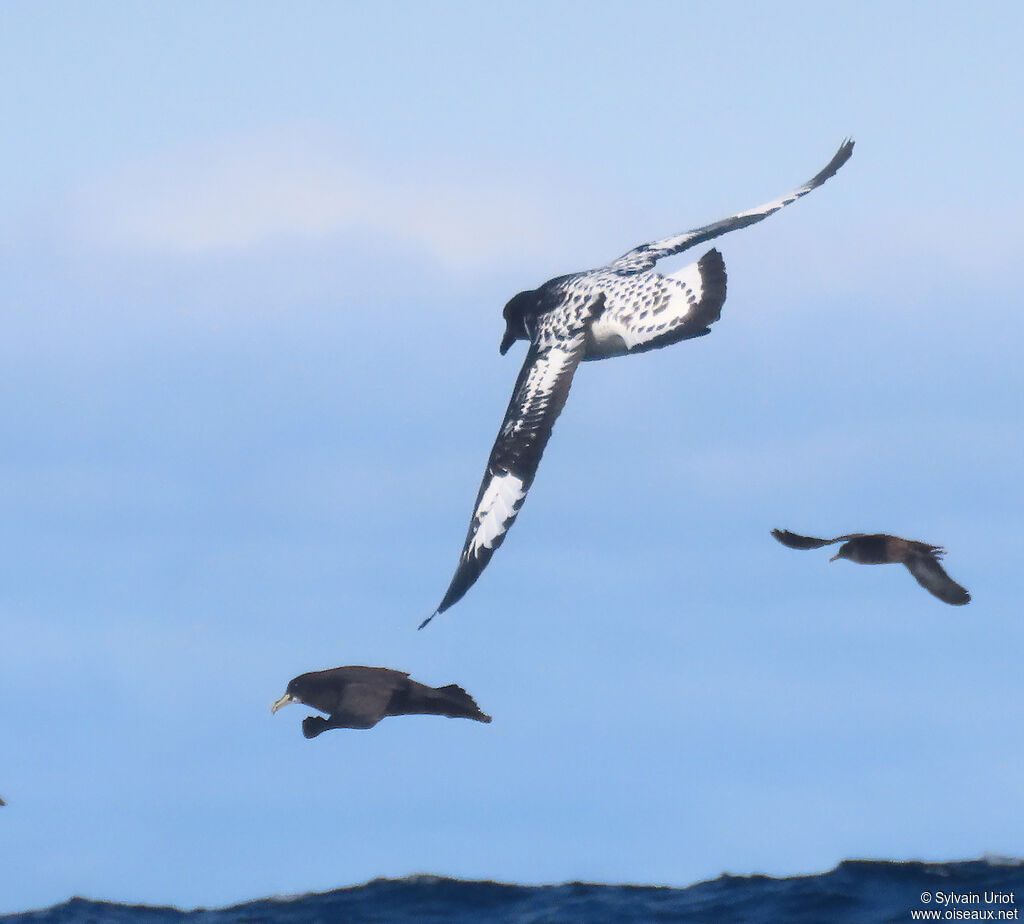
(425, 621)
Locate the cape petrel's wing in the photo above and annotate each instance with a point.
(537, 400)
(645, 311)
(646, 255)
(808, 542)
(932, 577)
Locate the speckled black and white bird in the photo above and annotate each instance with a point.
(921, 559)
(614, 310)
(359, 697)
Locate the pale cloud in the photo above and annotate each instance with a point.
(304, 183)
(243, 192)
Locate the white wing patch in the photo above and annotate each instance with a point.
(689, 278)
(497, 509)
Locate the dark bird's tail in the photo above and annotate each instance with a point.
(456, 703)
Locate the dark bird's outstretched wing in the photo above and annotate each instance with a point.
(537, 400)
(808, 542)
(646, 255)
(930, 575)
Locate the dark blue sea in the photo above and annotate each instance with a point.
(855, 892)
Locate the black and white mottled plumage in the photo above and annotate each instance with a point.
(618, 309)
(359, 697)
(921, 559)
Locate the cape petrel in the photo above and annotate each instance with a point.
(921, 559)
(621, 308)
(359, 697)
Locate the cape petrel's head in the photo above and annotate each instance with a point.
(515, 319)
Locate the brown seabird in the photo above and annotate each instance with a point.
(921, 559)
(359, 697)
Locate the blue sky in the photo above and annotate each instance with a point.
(253, 260)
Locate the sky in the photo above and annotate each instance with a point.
(252, 262)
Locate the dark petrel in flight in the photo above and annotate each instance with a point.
(614, 310)
(921, 559)
(359, 697)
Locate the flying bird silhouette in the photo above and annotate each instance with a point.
(921, 559)
(359, 697)
(621, 308)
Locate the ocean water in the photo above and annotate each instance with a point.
(855, 892)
